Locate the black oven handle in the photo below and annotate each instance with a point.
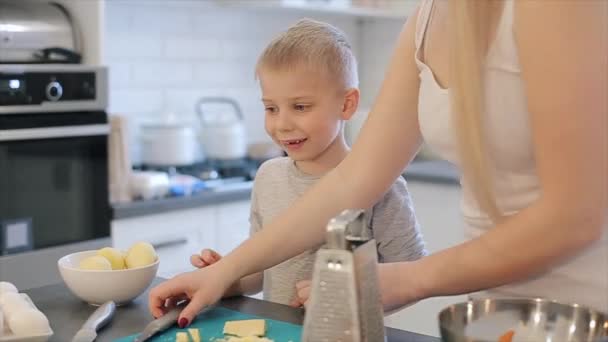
(54, 132)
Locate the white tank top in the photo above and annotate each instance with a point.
(582, 279)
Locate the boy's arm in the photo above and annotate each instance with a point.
(395, 227)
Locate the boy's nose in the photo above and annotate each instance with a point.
(284, 123)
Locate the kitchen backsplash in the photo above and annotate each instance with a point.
(164, 55)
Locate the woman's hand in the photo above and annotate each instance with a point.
(203, 287)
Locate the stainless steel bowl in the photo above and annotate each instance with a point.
(530, 320)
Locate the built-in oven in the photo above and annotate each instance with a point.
(53, 156)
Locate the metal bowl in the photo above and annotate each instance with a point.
(527, 320)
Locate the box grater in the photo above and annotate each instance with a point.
(345, 303)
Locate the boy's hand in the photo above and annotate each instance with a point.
(206, 258)
(302, 294)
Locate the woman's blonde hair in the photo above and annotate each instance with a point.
(470, 25)
(313, 44)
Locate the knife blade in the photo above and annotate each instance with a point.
(99, 318)
(160, 324)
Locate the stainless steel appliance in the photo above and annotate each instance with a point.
(37, 32)
(53, 156)
(345, 302)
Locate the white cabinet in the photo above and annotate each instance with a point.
(177, 235)
(437, 207)
(438, 210)
(233, 222)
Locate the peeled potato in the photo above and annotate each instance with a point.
(140, 254)
(96, 262)
(29, 322)
(114, 256)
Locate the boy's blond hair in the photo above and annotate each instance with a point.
(314, 44)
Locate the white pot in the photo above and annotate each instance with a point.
(169, 144)
(224, 141)
(223, 135)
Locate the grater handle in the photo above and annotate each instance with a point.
(347, 227)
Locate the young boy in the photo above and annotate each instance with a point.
(308, 77)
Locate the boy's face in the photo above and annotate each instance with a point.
(304, 111)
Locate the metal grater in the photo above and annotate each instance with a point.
(345, 303)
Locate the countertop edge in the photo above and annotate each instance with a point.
(159, 206)
(431, 171)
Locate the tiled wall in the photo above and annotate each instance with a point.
(164, 55)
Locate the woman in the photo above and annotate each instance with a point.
(525, 121)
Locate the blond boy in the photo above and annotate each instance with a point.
(309, 82)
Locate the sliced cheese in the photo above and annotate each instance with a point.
(182, 337)
(195, 334)
(245, 328)
(248, 339)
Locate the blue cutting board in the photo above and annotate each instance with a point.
(211, 327)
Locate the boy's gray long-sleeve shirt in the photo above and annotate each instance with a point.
(279, 183)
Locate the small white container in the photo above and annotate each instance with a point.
(148, 185)
(9, 337)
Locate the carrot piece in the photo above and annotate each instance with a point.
(507, 337)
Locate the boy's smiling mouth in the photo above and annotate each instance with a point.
(293, 144)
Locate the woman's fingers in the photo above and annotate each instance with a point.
(197, 303)
(159, 294)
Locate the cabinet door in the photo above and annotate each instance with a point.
(437, 208)
(232, 225)
(175, 236)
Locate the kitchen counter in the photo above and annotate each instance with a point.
(228, 193)
(433, 171)
(67, 313)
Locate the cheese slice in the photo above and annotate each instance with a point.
(182, 337)
(195, 334)
(248, 339)
(245, 328)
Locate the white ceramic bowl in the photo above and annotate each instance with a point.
(98, 287)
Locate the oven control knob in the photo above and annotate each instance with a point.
(54, 90)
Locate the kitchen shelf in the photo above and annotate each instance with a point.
(400, 13)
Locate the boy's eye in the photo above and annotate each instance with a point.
(270, 109)
(301, 107)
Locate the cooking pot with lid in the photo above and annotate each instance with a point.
(223, 132)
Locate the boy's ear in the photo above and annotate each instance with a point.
(351, 103)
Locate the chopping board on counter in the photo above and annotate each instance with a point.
(211, 327)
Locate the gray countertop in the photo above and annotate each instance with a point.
(234, 192)
(434, 171)
(66, 314)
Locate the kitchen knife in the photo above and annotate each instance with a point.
(160, 324)
(96, 321)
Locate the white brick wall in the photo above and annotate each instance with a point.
(164, 55)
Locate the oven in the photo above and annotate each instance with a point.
(53, 156)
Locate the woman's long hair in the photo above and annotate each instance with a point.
(470, 25)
